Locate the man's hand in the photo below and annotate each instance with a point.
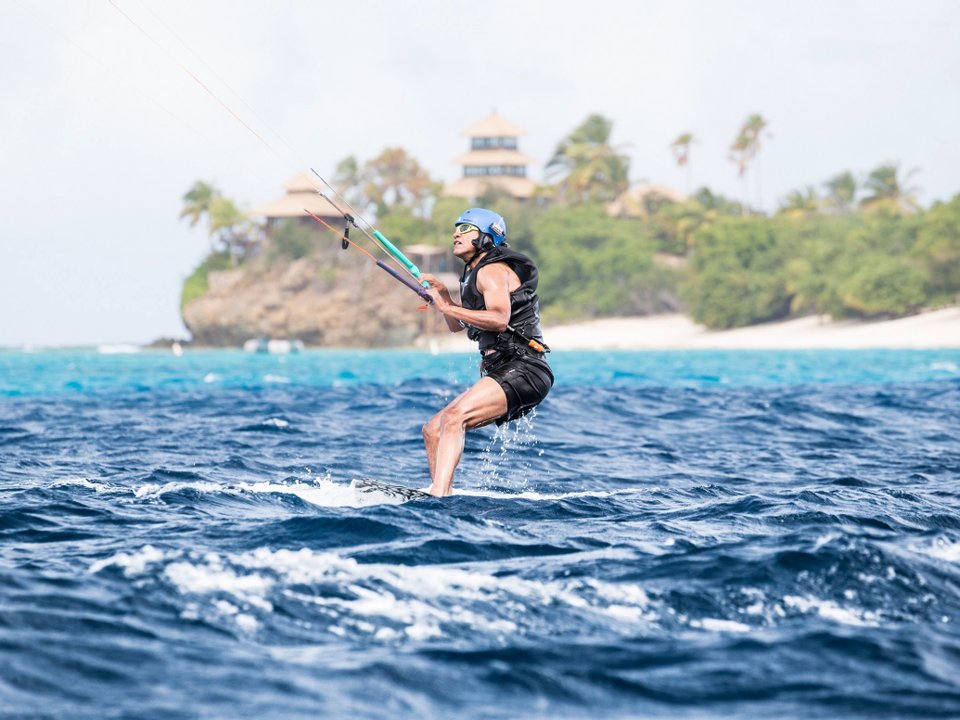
(438, 292)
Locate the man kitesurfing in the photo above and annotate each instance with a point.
(500, 310)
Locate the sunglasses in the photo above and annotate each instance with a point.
(464, 228)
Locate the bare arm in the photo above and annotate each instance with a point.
(438, 291)
(495, 282)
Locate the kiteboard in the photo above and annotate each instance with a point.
(369, 485)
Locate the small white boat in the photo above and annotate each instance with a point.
(274, 347)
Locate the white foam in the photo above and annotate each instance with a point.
(226, 608)
(825, 539)
(212, 378)
(132, 565)
(247, 622)
(829, 610)
(84, 483)
(530, 495)
(393, 601)
(325, 492)
(200, 579)
(945, 366)
(276, 379)
(943, 549)
(244, 620)
(423, 631)
(202, 486)
(718, 625)
(321, 491)
(276, 422)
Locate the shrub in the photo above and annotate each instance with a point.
(196, 285)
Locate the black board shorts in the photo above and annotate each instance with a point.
(525, 379)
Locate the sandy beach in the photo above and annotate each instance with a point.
(933, 329)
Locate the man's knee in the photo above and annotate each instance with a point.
(452, 416)
(431, 428)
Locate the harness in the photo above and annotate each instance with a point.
(523, 332)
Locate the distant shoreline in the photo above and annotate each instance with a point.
(934, 329)
(931, 330)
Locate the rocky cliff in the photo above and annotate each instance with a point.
(330, 300)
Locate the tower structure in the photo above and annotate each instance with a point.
(493, 162)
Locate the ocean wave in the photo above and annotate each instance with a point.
(650, 543)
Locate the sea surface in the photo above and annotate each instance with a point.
(671, 535)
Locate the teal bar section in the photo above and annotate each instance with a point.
(395, 251)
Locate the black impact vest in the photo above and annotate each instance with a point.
(524, 303)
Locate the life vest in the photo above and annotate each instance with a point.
(524, 303)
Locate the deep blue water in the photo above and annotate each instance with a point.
(689, 535)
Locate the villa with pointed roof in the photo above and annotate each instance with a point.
(301, 195)
(493, 161)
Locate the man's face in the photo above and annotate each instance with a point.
(463, 237)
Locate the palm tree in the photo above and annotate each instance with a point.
(889, 190)
(841, 191)
(196, 204)
(681, 153)
(591, 168)
(225, 222)
(801, 203)
(747, 146)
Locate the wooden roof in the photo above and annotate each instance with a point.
(473, 187)
(494, 125)
(301, 195)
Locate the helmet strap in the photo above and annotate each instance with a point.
(483, 242)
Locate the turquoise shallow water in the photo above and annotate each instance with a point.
(703, 534)
(25, 374)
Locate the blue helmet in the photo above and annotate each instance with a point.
(490, 224)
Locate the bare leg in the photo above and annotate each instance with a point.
(431, 435)
(444, 434)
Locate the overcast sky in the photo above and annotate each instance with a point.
(103, 130)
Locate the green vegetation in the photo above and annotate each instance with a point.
(588, 168)
(196, 285)
(291, 241)
(868, 264)
(863, 247)
(591, 264)
(227, 226)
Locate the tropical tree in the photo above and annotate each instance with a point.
(396, 178)
(747, 145)
(800, 203)
(712, 201)
(738, 274)
(938, 249)
(226, 223)
(888, 189)
(196, 204)
(348, 179)
(589, 167)
(841, 192)
(230, 226)
(681, 153)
